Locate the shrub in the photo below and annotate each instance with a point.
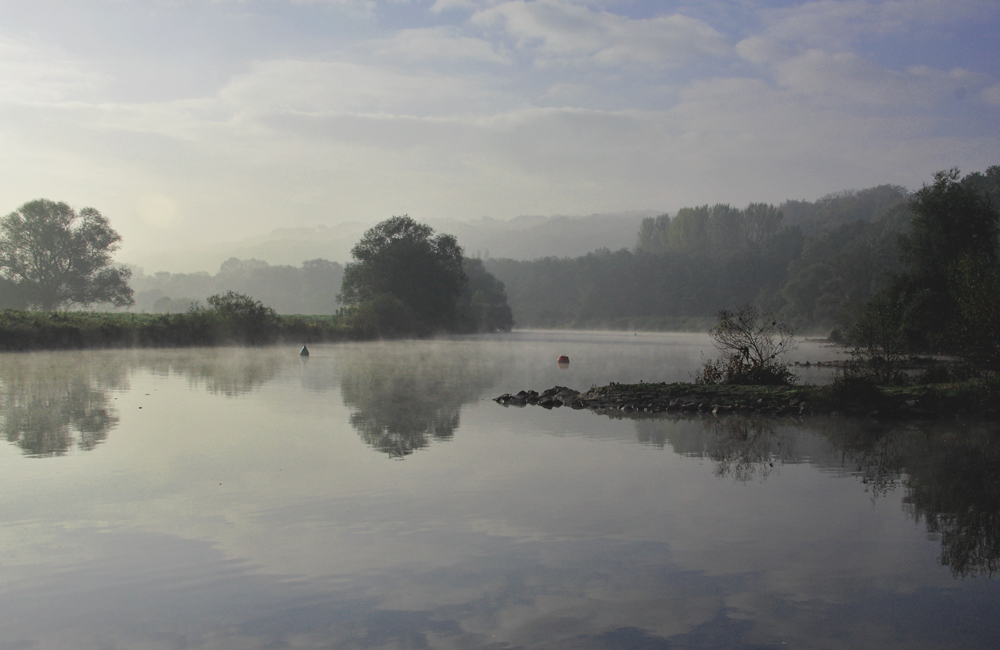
(753, 345)
(854, 387)
(244, 319)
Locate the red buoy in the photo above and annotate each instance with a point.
(563, 360)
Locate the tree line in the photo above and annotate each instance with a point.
(403, 281)
(921, 266)
(813, 263)
(307, 289)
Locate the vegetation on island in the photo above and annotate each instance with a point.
(753, 347)
(944, 298)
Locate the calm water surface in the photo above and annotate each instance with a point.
(373, 496)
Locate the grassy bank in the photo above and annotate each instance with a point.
(34, 330)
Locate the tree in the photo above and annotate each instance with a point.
(57, 256)
(761, 222)
(877, 340)
(975, 332)
(403, 259)
(483, 304)
(952, 222)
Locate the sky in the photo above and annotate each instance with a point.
(194, 121)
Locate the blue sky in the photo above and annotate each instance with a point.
(222, 119)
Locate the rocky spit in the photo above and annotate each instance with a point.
(661, 398)
(779, 401)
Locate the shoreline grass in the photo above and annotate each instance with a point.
(72, 330)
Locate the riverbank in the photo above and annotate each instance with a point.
(36, 330)
(974, 398)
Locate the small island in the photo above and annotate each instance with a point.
(968, 399)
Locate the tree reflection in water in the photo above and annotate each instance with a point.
(950, 472)
(222, 371)
(747, 448)
(51, 402)
(954, 486)
(49, 407)
(405, 396)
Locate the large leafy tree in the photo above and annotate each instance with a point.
(952, 222)
(403, 260)
(55, 256)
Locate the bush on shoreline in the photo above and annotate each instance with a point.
(753, 345)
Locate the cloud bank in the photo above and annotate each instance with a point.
(218, 120)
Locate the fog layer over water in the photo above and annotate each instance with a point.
(374, 496)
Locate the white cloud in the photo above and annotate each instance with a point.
(851, 82)
(557, 31)
(837, 24)
(760, 49)
(363, 8)
(813, 49)
(448, 5)
(442, 44)
(526, 108)
(30, 72)
(338, 86)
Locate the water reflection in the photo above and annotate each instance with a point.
(53, 402)
(747, 448)
(49, 406)
(403, 397)
(232, 372)
(950, 474)
(953, 485)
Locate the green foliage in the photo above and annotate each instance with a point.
(483, 304)
(859, 390)
(985, 184)
(753, 345)
(31, 330)
(242, 318)
(952, 223)
(842, 208)
(841, 269)
(628, 290)
(878, 341)
(403, 259)
(714, 230)
(975, 330)
(51, 256)
(384, 316)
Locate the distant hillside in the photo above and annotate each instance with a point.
(528, 238)
(840, 208)
(522, 238)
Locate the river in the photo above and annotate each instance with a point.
(374, 496)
